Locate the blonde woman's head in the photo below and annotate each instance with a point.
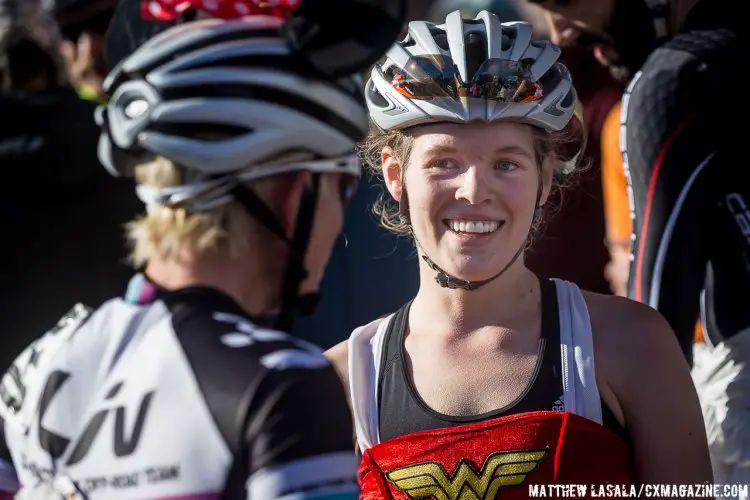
(164, 232)
(194, 135)
(229, 232)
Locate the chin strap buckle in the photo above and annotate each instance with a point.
(447, 281)
(452, 283)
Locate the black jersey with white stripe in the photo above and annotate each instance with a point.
(684, 149)
(180, 398)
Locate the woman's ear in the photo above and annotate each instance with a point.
(548, 172)
(283, 195)
(392, 172)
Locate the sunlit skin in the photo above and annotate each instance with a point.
(596, 15)
(238, 273)
(590, 15)
(471, 172)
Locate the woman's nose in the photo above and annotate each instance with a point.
(473, 188)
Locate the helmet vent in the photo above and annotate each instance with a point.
(441, 39)
(476, 52)
(506, 42)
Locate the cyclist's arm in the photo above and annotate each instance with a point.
(298, 438)
(667, 150)
(658, 400)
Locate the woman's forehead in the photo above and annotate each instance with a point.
(474, 135)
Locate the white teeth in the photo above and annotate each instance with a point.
(473, 226)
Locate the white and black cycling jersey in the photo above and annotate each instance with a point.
(180, 398)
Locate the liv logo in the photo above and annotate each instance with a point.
(125, 441)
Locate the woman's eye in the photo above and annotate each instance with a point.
(505, 166)
(444, 164)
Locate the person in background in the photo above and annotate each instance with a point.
(572, 245)
(64, 215)
(621, 60)
(690, 196)
(83, 24)
(616, 204)
(620, 63)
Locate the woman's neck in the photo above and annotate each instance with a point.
(237, 275)
(461, 312)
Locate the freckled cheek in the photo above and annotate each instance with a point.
(426, 202)
(518, 199)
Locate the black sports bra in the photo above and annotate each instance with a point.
(402, 411)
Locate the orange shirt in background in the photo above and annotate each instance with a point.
(614, 183)
(615, 189)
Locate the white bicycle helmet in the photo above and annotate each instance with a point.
(230, 101)
(466, 70)
(222, 99)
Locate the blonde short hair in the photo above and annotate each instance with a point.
(164, 231)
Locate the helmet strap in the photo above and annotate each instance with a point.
(292, 302)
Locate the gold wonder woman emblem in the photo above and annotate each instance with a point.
(429, 479)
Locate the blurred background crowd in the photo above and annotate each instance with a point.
(63, 213)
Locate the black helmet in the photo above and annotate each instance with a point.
(76, 16)
(66, 7)
(505, 10)
(328, 46)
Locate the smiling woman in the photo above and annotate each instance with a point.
(458, 170)
(400, 144)
(521, 160)
(491, 371)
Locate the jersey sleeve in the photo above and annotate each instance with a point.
(298, 437)
(668, 151)
(278, 404)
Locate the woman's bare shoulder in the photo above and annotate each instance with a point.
(638, 357)
(338, 356)
(618, 320)
(633, 346)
